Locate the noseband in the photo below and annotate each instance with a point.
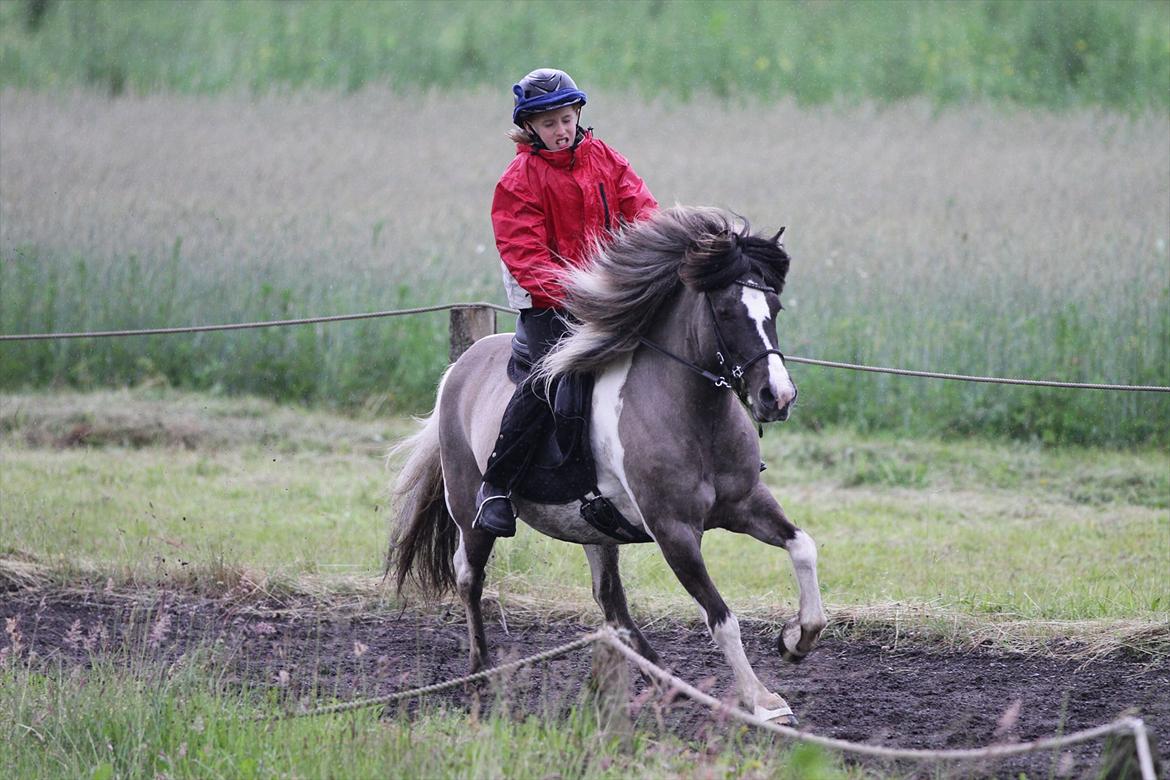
(726, 379)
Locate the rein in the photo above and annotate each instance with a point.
(732, 380)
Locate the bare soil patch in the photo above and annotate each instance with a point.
(866, 691)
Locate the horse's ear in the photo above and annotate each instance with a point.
(776, 270)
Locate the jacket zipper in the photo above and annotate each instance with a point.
(604, 205)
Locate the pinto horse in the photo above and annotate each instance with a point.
(676, 319)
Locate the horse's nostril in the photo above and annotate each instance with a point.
(767, 397)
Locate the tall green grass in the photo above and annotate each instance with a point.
(394, 364)
(188, 721)
(390, 363)
(1077, 52)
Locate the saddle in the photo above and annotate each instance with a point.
(562, 469)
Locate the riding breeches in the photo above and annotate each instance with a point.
(529, 415)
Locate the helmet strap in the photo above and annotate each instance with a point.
(536, 144)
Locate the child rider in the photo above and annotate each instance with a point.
(563, 190)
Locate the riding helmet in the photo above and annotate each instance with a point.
(543, 90)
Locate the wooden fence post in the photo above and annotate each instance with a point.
(609, 687)
(468, 326)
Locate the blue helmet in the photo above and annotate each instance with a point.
(543, 90)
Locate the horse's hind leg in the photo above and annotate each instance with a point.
(611, 596)
(471, 559)
(680, 547)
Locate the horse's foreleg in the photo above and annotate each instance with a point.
(763, 519)
(470, 565)
(800, 634)
(680, 547)
(611, 596)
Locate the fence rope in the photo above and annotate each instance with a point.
(612, 637)
(506, 310)
(250, 325)
(986, 379)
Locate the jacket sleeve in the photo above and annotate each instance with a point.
(522, 241)
(634, 199)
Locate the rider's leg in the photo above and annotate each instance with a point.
(524, 423)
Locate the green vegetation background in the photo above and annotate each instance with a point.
(1055, 54)
(1040, 55)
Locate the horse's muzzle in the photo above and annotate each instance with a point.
(771, 408)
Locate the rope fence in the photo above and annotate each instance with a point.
(481, 305)
(613, 638)
(101, 334)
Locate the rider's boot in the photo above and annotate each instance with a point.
(494, 512)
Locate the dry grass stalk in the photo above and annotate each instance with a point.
(19, 574)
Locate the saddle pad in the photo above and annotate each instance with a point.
(562, 468)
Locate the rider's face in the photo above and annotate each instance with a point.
(556, 128)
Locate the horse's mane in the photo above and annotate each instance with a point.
(617, 295)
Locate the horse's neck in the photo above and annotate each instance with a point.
(686, 331)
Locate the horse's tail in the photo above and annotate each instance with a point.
(424, 535)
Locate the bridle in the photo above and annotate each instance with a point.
(726, 379)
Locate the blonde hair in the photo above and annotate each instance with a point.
(521, 136)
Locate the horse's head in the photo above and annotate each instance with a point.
(741, 276)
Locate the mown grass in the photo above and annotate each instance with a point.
(1017, 545)
(975, 241)
(106, 720)
(1081, 52)
(991, 532)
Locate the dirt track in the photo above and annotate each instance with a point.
(910, 696)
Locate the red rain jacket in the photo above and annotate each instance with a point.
(549, 206)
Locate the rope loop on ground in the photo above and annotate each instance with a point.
(1123, 725)
(618, 640)
(495, 671)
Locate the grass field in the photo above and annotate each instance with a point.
(974, 241)
(1010, 546)
(161, 488)
(978, 187)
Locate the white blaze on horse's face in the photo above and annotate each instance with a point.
(778, 380)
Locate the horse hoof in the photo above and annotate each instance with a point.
(790, 657)
(789, 638)
(782, 716)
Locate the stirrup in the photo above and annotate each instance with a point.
(497, 520)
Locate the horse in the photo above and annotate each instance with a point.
(675, 316)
